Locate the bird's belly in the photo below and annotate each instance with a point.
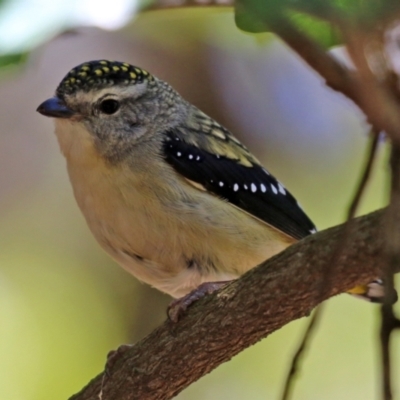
(175, 245)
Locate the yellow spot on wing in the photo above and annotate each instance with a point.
(244, 161)
(85, 68)
(218, 133)
(83, 73)
(124, 69)
(103, 62)
(234, 153)
(132, 75)
(206, 124)
(115, 68)
(98, 72)
(228, 152)
(72, 80)
(106, 69)
(235, 140)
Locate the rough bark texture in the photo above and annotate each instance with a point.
(216, 328)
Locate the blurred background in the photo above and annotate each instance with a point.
(63, 303)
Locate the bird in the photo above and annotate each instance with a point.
(169, 193)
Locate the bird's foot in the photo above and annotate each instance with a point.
(178, 307)
(113, 356)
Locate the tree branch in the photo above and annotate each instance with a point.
(313, 323)
(219, 326)
(373, 97)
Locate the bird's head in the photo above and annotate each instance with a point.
(112, 105)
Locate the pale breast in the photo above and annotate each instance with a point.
(174, 239)
(161, 229)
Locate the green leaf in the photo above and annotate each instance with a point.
(253, 15)
(12, 60)
(321, 31)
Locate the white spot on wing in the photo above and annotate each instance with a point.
(274, 189)
(245, 187)
(281, 188)
(190, 156)
(253, 188)
(197, 158)
(263, 188)
(221, 183)
(313, 230)
(235, 187)
(179, 154)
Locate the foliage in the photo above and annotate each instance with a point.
(12, 60)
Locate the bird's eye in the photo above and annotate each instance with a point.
(109, 106)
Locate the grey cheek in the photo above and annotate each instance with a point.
(133, 130)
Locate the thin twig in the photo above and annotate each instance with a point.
(305, 342)
(378, 103)
(336, 75)
(379, 97)
(365, 177)
(389, 320)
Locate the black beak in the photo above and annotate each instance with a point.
(56, 108)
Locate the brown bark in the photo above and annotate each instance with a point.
(219, 326)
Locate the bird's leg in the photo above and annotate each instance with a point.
(178, 307)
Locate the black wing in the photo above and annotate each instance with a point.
(240, 180)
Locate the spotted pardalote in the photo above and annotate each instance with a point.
(168, 192)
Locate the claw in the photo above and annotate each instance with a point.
(113, 356)
(179, 306)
